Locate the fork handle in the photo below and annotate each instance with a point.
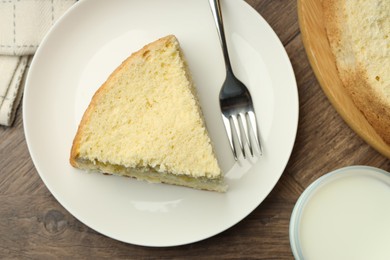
(217, 14)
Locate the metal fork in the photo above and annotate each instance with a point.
(235, 101)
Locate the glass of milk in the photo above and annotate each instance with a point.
(344, 215)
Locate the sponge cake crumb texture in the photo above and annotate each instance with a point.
(359, 34)
(145, 122)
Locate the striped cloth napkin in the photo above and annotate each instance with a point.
(23, 23)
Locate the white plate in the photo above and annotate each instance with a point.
(77, 56)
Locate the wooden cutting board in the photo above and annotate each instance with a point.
(311, 22)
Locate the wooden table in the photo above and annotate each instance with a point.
(34, 225)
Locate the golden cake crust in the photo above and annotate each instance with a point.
(361, 50)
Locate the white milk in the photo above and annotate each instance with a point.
(347, 217)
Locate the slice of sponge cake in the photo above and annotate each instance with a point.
(145, 122)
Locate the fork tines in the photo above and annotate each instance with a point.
(243, 133)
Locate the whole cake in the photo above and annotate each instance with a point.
(359, 35)
(145, 122)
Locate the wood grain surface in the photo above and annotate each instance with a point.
(33, 225)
